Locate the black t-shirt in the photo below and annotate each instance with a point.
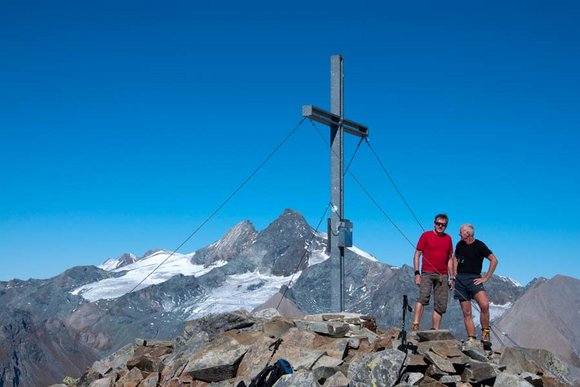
(470, 257)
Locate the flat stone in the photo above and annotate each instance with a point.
(153, 351)
(415, 360)
(130, 379)
(377, 369)
(474, 351)
(444, 348)
(518, 361)
(150, 381)
(478, 372)
(384, 342)
(104, 382)
(354, 342)
(414, 377)
(297, 379)
(442, 363)
(460, 360)
(371, 336)
(216, 361)
(434, 372)
(323, 373)
(145, 363)
(506, 379)
(336, 380)
(450, 379)
(327, 361)
(277, 328)
(334, 347)
(431, 335)
(430, 382)
(330, 328)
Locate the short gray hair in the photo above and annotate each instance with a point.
(470, 228)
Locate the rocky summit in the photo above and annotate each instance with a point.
(230, 349)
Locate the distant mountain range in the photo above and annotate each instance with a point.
(59, 326)
(547, 316)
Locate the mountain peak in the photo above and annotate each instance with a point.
(236, 240)
(123, 260)
(288, 219)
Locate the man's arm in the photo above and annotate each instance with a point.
(493, 261)
(452, 269)
(416, 258)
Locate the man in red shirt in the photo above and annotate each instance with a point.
(436, 248)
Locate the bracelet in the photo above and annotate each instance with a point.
(451, 278)
(417, 272)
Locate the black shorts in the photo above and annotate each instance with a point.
(465, 289)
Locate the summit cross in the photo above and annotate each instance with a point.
(340, 229)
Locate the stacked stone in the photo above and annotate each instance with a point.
(324, 350)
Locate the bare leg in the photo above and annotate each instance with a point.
(467, 317)
(436, 320)
(483, 302)
(418, 312)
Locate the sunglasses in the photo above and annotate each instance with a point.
(441, 224)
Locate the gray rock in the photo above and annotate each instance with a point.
(105, 382)
(379, 368)
(331, 328)
(440, 362)
(434, 372)
(505, 379)
(216, 361)
(432, 335)
(474, 351)
(150, 381)
(327, 361)
(444, 348)
(115, 361)
(297, 379)
(336, 380)
(277, 327)
(478, 372)
(450, 379)
(414, 377)
(535, 361)
(321, 374)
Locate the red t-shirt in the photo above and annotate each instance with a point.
(436, 251)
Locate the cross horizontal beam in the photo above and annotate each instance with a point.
(330, 119)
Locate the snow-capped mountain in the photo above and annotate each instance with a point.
(88, 312)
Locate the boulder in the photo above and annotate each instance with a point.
(379, 368)
(216, 361)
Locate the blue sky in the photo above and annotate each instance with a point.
(123, 125)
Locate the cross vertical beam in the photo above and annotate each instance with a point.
(338, 126)
(336, 183)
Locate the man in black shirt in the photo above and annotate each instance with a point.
(467, 264)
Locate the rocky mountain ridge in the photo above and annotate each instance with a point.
(324, 350)
(242, 269)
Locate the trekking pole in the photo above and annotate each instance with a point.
(274, 347)
(403, 335)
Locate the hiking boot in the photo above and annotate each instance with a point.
(469, 343)
(485, 335)
(485, 339)
(415, 326)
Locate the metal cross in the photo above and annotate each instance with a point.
(340, 229)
